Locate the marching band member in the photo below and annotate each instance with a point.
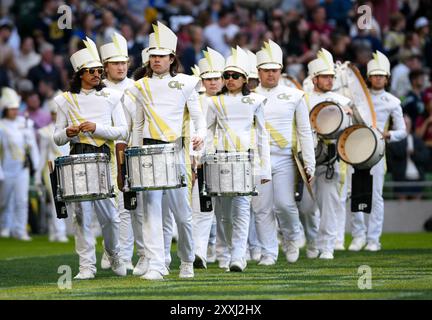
(49, 151)
(18, 153)
(286, 118)
(326, 182)
(386, 106)
(234, 112)
(116, 60)
(165, 103)
(210, 71)
(90, 118)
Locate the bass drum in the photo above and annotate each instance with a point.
(361, 146)
(328, 119)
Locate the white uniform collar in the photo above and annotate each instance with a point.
(261, 88)
(234, 94)
(86, 91)
(376, 92)
(161, 76)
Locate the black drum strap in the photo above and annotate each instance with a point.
(205, 201)
(361, 191)
(60, 206)
(130, 200)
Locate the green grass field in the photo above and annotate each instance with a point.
(403, 270)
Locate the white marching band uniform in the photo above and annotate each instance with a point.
(103, 108)
(49, 151)
(234, 116)
(130, 221)
(276, 201)
(16, 139)
(164, 106)
(326, 191)
(386, 106)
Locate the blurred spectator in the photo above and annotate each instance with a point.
(4, 78)
(320, 25)
(27, 57)
(395, 37)
(219, 35)
(413, 103)
(423, 127)
(25, 13)
(107, 28)
(193, 53)
(134, 47)
(86, 29)
(421, 26)
(46, 68)
(337, 12)
(7, 58)
(382, 10)
(400, 82)
(409, 158)
(33, 109)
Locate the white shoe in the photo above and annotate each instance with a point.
(105, 263)
(141, 267)
(292, 252)
(248, 256)
(357, 244)
(301, 243)
(223, 264)
(186, 270)
(118, 266)
(129, 265)
(85, 274)
(211, 253)
(255, 254)
(312, 253)
(5, 233)
(238, 265)
(373, 246)
(24, 237)
(267, 261)
(339, 246)
(199, 262)
(326, 255)
(152, 275)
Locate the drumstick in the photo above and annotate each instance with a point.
(121, 156)
(50, 166)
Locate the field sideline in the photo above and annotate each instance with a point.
(403, 270)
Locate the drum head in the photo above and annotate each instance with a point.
(326, 118)
(357, 144)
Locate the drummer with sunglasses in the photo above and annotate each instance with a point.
(234, 112)
(90, 117)
(286, 115)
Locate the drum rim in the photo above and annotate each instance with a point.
(338, 144)
(132, 151)
(327, 103)
(103, 156)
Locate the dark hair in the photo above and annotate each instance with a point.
(245, 89)
(147, 71)
(415, 74)
(75, 83)
(140, 72)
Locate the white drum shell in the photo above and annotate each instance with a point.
(228, 174)
(153, 167)
(84, 177)
(361, 146)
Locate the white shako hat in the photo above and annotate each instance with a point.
(253, 71)
(87, 57)
(322, 65)
(212, 65)
(145, 57)
(162, 41)
(270, 56)
(238, 62)
(379, 65)
(9, 99)
(115, 51)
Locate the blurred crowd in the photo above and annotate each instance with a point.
(34, 51)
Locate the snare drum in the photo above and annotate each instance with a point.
(84, 177)
(361, 146)
(328, 119)
(154, 167)
(228, 174)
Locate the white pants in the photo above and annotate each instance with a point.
(341, 215)
(276, 203)
(130, 229)
(14, 203)
(153, 234)
(376, 217)
(310, 218)
(235, 216)
(168, 225)
(109, 220)
(253, 241)
(202, 224)
(222, 251)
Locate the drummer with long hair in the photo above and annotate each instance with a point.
(90, 117)
(234, 112)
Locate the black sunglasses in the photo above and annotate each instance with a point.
(235, 76)
(93, 70)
